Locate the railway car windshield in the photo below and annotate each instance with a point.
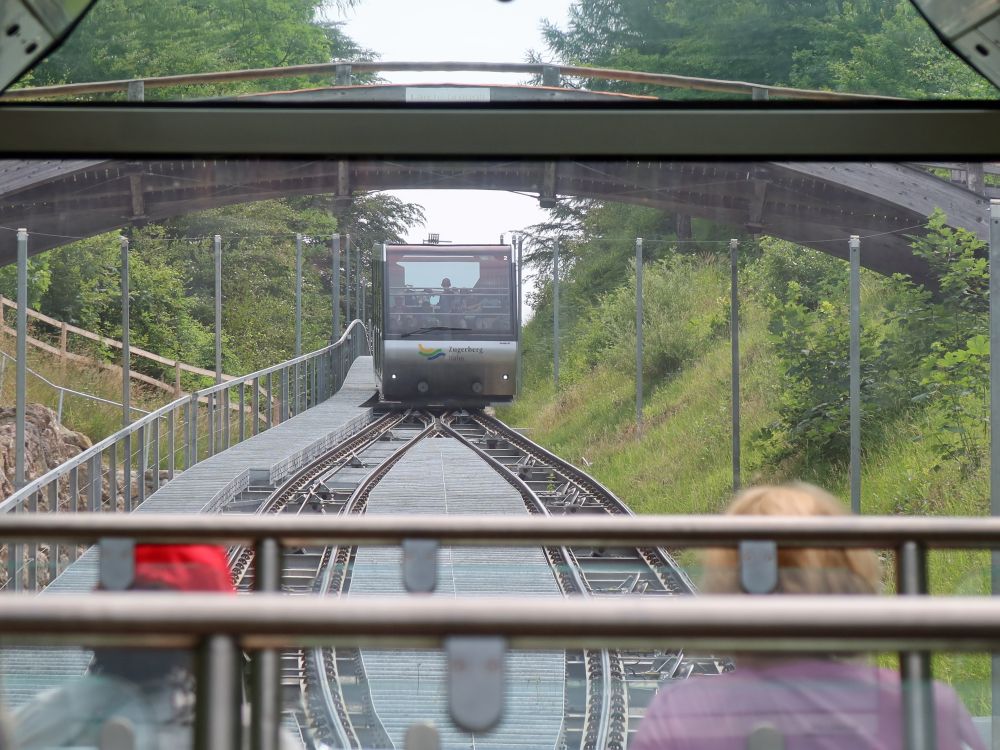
(451, 293)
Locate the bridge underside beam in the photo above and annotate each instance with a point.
(815, 204)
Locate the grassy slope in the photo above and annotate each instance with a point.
(681, 462)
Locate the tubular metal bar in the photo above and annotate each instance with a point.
(555, 313)
(638, 331)
(126, 355)
(915, 666)
(734, 336)
(217, 712)
(298, 295)
(771, 623)
(335, 285)
(880, 532)
(217, 242)
(520, 321)
(854, 248)
(266, 664)
(995, 442)
(243, 416)
(22, 356)
(347, 275)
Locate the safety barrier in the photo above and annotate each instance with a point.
(220, 626)
(116, 473)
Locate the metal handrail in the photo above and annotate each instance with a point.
(489, 530)
(745, 623)
(97, 449)
(574, 71)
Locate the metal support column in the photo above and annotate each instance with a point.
(217, 711)
(22, 356)
(218, 308)
(359, 301)
(335, 286)
(734, 336)
(126, 352)
(520, 321)
(266, 677)
(915, 666)
(995, 439)
(347, 277)
(638, 331)
(555, 314)
(854, 246)
(298, 295)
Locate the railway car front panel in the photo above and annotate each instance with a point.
(448, 325)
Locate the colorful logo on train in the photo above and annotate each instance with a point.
(430, 354)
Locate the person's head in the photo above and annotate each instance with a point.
(801, 570)
(446, 283)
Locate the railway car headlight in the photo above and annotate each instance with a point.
(422, 387)
(505, 376)
(394, 376)
(477, 387)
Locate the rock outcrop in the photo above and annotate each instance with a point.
(47, 444)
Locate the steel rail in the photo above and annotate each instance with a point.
(881, 532)
(667, 80)
(535, 505)
(784, 623)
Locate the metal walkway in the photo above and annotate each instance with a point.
(205, 488)
(443, 476)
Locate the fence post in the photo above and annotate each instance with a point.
(126, 353)
(22, 355)
(854, 246)
(638, 332)
(995, 440)
(347, 276)
(63, 337)
(335, 285)
(298, 295)
(520, 322)
(734, 336)
(177, 379)
(555, 314)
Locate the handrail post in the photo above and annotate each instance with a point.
(854, 248)
(734, 335)
(335, 286)
(919, 724)
(217, 712)
(995, 444)
(265, 715)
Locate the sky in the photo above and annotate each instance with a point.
(458, 30)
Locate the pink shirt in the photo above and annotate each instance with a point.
(815, 704)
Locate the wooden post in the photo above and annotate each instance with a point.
(63, 336)
(177, 378)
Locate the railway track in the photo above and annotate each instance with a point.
(326, 692)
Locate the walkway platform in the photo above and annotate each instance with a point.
(440, 475)
(205, 488)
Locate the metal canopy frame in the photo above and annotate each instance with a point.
(661, 130)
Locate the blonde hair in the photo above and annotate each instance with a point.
(801, 570)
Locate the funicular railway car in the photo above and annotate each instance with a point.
(445, 324)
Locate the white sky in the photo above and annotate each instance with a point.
(459, 30)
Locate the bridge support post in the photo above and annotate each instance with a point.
(854, 248)
(995, 442)
(734, 337)
(359, 297)
(638, 332)
(555, 314)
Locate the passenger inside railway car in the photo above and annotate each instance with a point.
(829, 702)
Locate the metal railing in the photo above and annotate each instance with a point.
(116, 474)
(551, 76)
(219, 626)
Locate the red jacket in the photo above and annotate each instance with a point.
(183, 567)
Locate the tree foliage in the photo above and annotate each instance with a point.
(871, 46)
